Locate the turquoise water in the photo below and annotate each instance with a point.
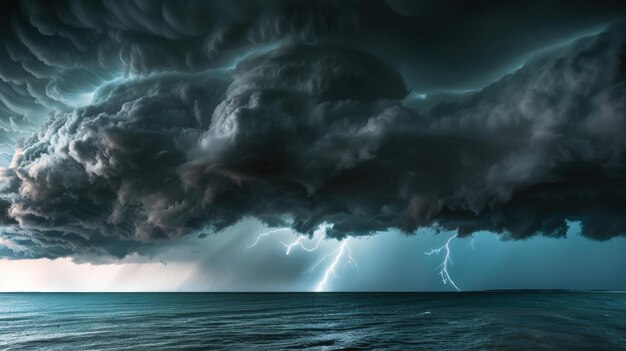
(234, 321)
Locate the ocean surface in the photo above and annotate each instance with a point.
(327, 321)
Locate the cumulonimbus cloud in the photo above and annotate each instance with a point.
(311, 133)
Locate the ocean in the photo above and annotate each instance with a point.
(319, 321)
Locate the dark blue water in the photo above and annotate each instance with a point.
(437, 321)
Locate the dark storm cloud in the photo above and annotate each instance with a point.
(317, 125)
(308, 133)
(85, 171)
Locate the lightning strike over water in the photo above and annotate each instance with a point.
(445, 275)
(320, 233)
(330, 270)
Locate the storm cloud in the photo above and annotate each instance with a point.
(308, 128)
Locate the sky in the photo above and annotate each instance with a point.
(312, 145)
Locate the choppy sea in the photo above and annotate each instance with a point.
(321, 321)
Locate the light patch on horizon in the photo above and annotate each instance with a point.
(62, 274)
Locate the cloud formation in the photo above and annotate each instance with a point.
(310, 133)
(54, 54)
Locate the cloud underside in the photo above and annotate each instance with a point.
(312, 133)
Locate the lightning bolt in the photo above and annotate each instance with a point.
(320, 233)
(330, 270)
(298, 243)
(445, 275)
(262, 235)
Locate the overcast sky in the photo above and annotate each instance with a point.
(147, 145)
